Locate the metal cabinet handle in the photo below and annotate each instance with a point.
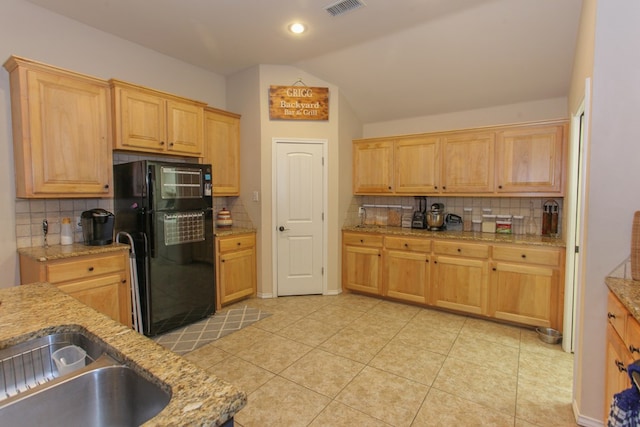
(161, 142)
(459, 250)
(621, 366)
(524, 256)
(633, 349)
(611, 315)
(90, 269)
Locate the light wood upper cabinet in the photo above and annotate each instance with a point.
(529, 160)
(61, 132)
(417, 165)
(373, 167)
(222, 150)
(468, 162)
(146, 120)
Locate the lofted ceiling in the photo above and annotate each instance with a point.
(390, 59)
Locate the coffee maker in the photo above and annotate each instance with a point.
(97, 227)
(419, 219)
(435, 217)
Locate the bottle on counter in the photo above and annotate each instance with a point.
(531, 227)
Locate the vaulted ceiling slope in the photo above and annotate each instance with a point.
(390, 59)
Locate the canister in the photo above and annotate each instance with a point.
(488, 223)
(503, 224)
(517, 224)
(66, 234)
(467, 216)
(476, 225)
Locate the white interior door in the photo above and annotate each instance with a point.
(299, 218)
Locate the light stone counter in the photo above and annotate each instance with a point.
(460, 235)
(53, 252)
(230, 231)
(198, 398)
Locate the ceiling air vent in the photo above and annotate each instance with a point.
(343, 6)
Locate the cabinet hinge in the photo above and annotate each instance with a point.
(323, 216)
(577, 249)
(322, 271)
(323, 161)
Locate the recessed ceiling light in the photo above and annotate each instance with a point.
(297, 28)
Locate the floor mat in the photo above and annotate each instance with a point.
(191, 337)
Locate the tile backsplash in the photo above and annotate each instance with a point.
(31, 212)
(455, 205)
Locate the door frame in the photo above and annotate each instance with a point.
(274, 207)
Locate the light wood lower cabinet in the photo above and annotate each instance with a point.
(235, 268)
(527, 285)
(460, 276)
(622, 348)
(362, 262)
(100, 281)
(406, 268)
(514, 283)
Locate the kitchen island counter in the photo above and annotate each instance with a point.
(198, 398)
(460, 235)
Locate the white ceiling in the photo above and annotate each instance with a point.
(390, 59)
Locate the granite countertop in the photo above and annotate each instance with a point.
(461, 235)
(53, 252)
(621, 283)
(230, 231)
(198, 398)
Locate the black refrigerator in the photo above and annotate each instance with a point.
(166, 208)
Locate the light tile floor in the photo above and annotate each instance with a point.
(351, 360)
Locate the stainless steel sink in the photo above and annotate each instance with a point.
(106, 392)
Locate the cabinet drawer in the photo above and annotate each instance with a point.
(527, 255)
(227, 244)
(633, 337)
(462, 249)
(362, 239)
(407, 244)
(617, 315)
(82, 268)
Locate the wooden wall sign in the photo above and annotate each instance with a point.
(298, 103)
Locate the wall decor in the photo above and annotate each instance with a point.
(298, 102)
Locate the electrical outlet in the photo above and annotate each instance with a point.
(77, 224)
(256, 196)
(360, 211)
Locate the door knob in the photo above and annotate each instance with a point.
(281, 228)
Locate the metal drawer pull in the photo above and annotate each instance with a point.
(633, 349)
(621, 366)
(90, 268)
(611, 315)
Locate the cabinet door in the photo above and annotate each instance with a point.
(140, 119)
(362, 269)
(67, 147)
(237, 273)
(107, 294)
(468, 162)
(460, 284)
(373, 167)
(529, 160)
(417, 165)
(617, 358)
(406, 275)
(222, 150)
(525, 294)
(185, 128)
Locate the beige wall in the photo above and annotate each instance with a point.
(29, 31)
(547, 109)
(613, 177)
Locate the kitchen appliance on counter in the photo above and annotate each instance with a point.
(167, 209)
(435, 217)
(97, 227)
(419, 219)
(453, 222)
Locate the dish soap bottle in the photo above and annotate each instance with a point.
(531, 227)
